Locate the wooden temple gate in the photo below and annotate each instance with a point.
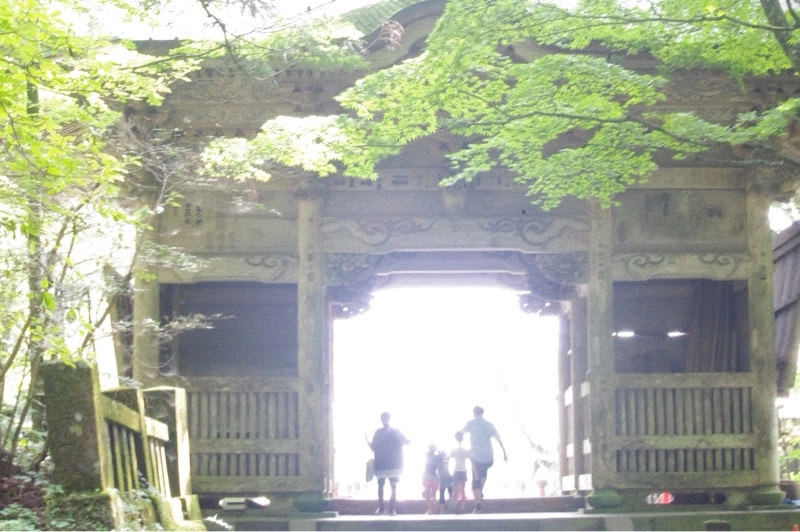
(640, 414)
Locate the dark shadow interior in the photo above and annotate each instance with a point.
(680, 326)
(253, 335)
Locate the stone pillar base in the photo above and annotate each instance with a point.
(770, 495)
(312, 502)
(604, 498)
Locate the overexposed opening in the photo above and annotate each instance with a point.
(427, 356)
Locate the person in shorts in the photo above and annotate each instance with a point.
(430, 479)
(481, 433)
(445, 480)
(459, 455)
(387, 446)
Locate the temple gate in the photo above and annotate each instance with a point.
(667, 370)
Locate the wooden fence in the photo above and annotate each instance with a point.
(137, 444)
(245, 435)
(125, 439)
(672, 427)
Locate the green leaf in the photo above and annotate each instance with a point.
(48, 301)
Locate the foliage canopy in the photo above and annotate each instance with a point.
(569, 119)
(77, 180)
(60, 95)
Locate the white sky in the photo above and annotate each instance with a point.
(185, 19)
(780, 219)
(428, 355)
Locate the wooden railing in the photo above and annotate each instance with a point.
(138, 444)
(119, 441)
(245, 434)
(242, 415)
(671, 425)
(679, 410)
(577, 447)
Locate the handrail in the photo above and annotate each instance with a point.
(127, 417)
(138, 443)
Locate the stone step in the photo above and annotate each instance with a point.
(484, 521)
(411, 517)
(516, 505)
(778, 520)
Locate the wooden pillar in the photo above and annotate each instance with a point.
(564, 388)
(600, 326)
(146, 317)
(311, 341)
(170, 404)
(327, 400)
(578, 373)
(762, 353)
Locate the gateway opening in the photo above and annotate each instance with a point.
(428, 355)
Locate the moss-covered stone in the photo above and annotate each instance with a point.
(312, 502)
(170, 514)
(77, 442)
(604, 498)
(191, 507)
(110, 511)
(767, 495)
(83, 511)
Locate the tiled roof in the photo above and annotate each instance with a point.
(369, 18)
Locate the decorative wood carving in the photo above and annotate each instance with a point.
(377, 232)
(271, 268)
(423, 177)
(543, 287)
(642, 266)
(551, 278)
(350, 281)
(278, 265)
(349, 268)
(532, 304)
(564, 268)
(350, 300)
(541, 230)
(310, 189)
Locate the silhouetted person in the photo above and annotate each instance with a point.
(387, 446)
(481, 433)
(430, 478)
(445, 480)
(459, 456)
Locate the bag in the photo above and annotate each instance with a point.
(370, 473)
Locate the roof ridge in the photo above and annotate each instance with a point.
(371, 17)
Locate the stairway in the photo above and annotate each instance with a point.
(550, 513)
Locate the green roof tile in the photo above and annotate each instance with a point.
(369, 18)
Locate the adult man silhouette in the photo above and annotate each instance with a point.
(387, 445)
(481, 433)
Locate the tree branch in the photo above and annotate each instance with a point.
(792, 12)
(616, 20)
(17, 346)
(783, 30)
(597, 120)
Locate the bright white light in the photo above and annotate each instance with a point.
(260, 501)
(781, 217)
(624, 334)
(428, 355)
(676, 334)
